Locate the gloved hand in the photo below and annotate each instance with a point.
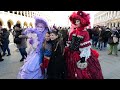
(82, 60)
(31, 41)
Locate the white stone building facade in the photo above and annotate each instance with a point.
(107, 18)
(25, 18)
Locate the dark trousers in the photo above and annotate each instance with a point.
(100, 45)
(95, 41)
(0, 56)
(105, 44)
(23, 52)
(6, 47)
(1, 46)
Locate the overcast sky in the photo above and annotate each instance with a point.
(92, 13)
(61, 17)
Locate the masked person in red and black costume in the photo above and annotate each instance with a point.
(82, 61)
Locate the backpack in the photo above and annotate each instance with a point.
(17, 40)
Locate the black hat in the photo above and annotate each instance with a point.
(4, 29)
(18, 25)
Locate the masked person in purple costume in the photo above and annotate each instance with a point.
(32, 65)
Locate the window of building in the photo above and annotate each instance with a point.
(118, 24)
(25, 13)
(15, 12)
(22, 13)
(28, 13)
(114, 25)
(19, 13)
(116, 13)
(33, 14)
(112, 13)
(11, 11)
(107, 14)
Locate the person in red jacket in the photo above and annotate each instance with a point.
(82, 61)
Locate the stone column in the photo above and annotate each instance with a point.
(116, 24)
(26, 13)
(13, 12)
(17, 12)
(21, 13)
(108, 14)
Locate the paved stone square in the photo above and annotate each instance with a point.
(9, 68)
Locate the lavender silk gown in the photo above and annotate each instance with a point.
(31, 68)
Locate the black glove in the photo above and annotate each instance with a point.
(82, 60)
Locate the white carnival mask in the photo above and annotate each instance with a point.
(40, 29)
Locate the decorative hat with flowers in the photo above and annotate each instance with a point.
(82, 16)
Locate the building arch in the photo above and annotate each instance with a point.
(25, 25)
(10, 23)
(30, 24)
(18, 22)
(1, 22)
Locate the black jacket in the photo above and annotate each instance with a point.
(90, 31)
(5, 37)
(57, 64)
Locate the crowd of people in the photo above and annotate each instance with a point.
(103, 37)
(59, 53)
(54, 53)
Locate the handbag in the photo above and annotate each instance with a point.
(115, 39)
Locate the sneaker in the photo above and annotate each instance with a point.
(1, 59)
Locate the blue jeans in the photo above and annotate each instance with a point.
(105, 44)
(23, 52)
(100, 45)
(95, 41)
(6, 47)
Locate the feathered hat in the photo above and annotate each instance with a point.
(41, 20)
(82, 16)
